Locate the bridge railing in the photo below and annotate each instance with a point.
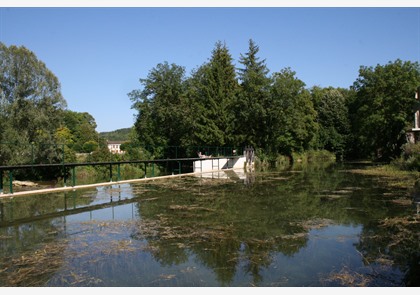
(68, 169)
(14, 153)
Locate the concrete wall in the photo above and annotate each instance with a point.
(210, 164)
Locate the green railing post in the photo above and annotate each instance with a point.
(32, 153)
(179, 167)
(145, 170)
(110, 172)
(1, 182)
(73, 175)
(119, 172)
(64, 176)
(64, 169)
(63, 155)
(74, 195)
(153, 169)
(11, 181)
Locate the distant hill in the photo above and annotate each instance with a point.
(116, 135)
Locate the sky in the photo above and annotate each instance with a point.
(99, 53)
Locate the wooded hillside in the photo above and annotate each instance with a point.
(116, 135)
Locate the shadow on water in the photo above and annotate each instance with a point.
(298, 226)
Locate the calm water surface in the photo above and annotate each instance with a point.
(292, 228)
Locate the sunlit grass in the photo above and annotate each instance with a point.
(392, 176)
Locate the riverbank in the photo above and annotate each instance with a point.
(392, 176)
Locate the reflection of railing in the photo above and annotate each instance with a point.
(65, 212)
(67, 166)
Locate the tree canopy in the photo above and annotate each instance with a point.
(253, 99)
(382, 109)
(31, 107)
(36, 126)
(217, 104)
(221, 105)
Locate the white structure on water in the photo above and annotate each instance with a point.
(214, 164)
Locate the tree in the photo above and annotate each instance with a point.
(160, 105)
(82, 127)
(251, 118)
(292, 115)
(382, 110)
(212, 92)
(332, 117)
(31, 105)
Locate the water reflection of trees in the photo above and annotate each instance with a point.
(236, 229)
(32, 251)
(223, 228)
(393, 243)
(30, 254)
(227, 225)
(26, 207)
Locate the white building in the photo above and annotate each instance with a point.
(115, 147)
(413, 135)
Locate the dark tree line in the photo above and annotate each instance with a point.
(221, 105)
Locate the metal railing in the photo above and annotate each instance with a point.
(42, 153)
(72, 166)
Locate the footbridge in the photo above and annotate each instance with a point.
(177, 167)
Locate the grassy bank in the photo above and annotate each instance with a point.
(392, 175)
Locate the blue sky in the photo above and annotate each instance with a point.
(99, 54)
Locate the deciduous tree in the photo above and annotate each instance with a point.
(382, 110)
(160, 105)
(31, 106)
(332, 117)
(292, 115)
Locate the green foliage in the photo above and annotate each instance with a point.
(101, 154)
(31, 107)
(81, 130)
(314, 156)
(218, 106)
(90, 146)
(160, 105)
(409, 159)
(292, 115)
(333, 119)
(276, 114)
(117, 135)
(382, 108)
(252, 121)
(212, 94)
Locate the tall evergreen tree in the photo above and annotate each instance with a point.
(251, 109)
(214, 87)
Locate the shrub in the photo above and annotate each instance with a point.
(410, 158)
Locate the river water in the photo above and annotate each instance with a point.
(312, 227)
